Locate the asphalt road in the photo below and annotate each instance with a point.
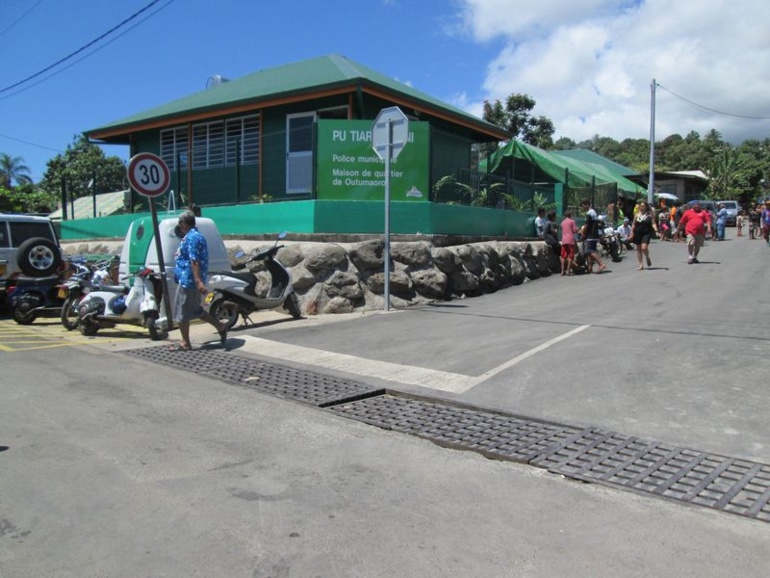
(113, 466)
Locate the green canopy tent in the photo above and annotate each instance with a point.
(540, 163)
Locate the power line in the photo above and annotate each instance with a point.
(30, 143)
(94, 51)
(20, 18)
(712, 109)
(82, 48)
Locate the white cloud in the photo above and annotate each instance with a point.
(589, 64)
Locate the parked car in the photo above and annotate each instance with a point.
(732, 211)
(29, 247)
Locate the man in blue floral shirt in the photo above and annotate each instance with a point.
(192, 264)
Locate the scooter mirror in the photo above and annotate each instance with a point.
(282, 235)
(239, 254)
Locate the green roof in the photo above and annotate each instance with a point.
(587, 156)
(305, 77)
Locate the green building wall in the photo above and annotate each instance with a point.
(329, 218)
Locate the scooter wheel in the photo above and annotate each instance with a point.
(224, 310)
(69, 313)
(291, 304)
(22, 315)
(150, 323)
(88, 328)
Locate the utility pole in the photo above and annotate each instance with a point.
(651, 184)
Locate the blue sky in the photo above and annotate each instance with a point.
(587, 64)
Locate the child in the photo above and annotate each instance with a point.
(568, 243)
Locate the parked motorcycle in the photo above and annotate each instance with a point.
(91, 277)
(32, 297)
(118, 304)
(609, 241)
(233, 293)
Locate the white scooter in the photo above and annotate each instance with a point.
(112, 305)
(233, 293)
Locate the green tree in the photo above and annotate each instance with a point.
(26, 198)
(83, 166)
(516, 117)
(13, 170)
(564, 144)
(726, 164)
(634, 154)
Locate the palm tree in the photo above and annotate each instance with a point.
(13, 170)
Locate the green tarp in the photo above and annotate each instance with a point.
(562, 169)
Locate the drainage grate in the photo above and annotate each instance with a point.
(286, 382)
(728, 484)
(491, 434)
(197, 360)
(591, 454)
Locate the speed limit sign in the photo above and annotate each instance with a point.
(148, 174)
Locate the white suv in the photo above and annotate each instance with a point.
(732, 210)
(28, 246)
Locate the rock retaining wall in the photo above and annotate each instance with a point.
(345, 277)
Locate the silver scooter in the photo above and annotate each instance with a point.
(233, 293)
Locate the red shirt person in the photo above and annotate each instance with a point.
(695, 223)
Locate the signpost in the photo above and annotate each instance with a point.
(390, 133)
(150, 177)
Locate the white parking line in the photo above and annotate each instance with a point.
(406, 374)
(508, 364)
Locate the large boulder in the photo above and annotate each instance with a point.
(323, 260)
(368, 256)
(344, 284)
(412, 254)
(446, 260)
(400, 283)
(430, 282)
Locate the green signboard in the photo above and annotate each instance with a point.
(348, 168)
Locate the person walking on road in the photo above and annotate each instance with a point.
(721, 222)
(765, 222)
(192, 263)
(590, 232)
(641, 233)
(695, 223)
(568, 243)
(754, 213)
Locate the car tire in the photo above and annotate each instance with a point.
(39, 257)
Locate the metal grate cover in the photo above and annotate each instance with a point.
(590, 455)
(282, 381)
(733, 485)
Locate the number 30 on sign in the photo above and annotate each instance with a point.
(148, 174)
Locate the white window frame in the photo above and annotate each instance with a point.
(208, 145)
(248, 130)
(299, 163)
(174, 143)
